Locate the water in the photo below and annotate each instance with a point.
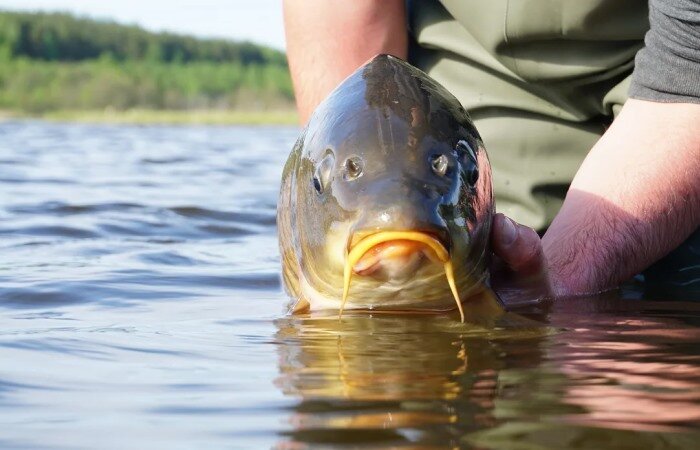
(140, 307)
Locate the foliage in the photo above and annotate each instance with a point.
(62, 37)
(52, 62)
(39, 86)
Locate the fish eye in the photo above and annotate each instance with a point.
(471, 173)
(464, 147)
(322, 174)
(317, 185)
(353, 168)
(470, 169)
(439, 164)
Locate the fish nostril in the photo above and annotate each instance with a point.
(353, 168)
(439, 164)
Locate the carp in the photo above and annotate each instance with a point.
(386, 200)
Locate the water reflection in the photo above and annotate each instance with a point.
(638, 370)
(401, 380)
(146, 314)
(590, 378)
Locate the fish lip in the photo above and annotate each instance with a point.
(442, 236)
(436, 245)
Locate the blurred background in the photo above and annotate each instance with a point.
(214, 61)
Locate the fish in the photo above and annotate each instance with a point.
(386, 201)
(363, 357)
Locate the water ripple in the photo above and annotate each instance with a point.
(140, 300)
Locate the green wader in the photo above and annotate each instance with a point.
(542, 80)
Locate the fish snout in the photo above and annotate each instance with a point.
(397, 254)
(401, 213)
(403, 230)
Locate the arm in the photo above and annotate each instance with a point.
(637, 194)
(635, 198)
(328, 39)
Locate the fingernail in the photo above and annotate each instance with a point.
(509, 232)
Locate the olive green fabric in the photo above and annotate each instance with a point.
(542, 80)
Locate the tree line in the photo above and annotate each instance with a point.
(63, 37)
(58, 61)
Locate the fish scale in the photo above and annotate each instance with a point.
(389, 158)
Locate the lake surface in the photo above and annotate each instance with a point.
(140, 307)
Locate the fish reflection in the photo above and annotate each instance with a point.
(405, 380)
(601, 374)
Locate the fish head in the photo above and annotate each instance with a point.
(392, 185)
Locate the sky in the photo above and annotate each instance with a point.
(255, 20)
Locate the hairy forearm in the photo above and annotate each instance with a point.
(328, 39)
(635, 198)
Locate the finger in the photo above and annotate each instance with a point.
(518, 246)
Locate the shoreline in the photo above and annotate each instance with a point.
(161, 117)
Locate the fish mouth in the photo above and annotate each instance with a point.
(364, 254)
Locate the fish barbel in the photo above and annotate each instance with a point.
(386, 201)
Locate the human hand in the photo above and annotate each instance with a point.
(519, 268)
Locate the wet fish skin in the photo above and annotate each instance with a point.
(388, 150)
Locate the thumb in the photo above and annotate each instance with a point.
(518, 246)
